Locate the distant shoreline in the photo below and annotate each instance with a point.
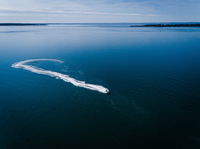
(22, 24)
(167, 25)
(189, 24)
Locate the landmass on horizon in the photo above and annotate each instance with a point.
(168, 25)
(177, 24)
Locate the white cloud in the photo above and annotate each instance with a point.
(94, 11)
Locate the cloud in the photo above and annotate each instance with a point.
(98, 11)
(64, 12)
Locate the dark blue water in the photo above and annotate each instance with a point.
(153, 75)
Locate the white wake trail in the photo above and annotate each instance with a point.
(24, 65)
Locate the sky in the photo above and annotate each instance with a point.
(78, 11)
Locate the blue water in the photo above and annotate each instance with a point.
(153, 75)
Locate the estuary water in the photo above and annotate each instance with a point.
(153, 75)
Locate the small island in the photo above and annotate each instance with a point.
(168, 25)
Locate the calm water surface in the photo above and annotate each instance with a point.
(153, 75)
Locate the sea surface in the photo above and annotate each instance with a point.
(153, 75)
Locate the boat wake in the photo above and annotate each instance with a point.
(24, 65)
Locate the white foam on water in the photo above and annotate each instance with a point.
(24, 65)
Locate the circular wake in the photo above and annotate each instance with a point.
(24, 65)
